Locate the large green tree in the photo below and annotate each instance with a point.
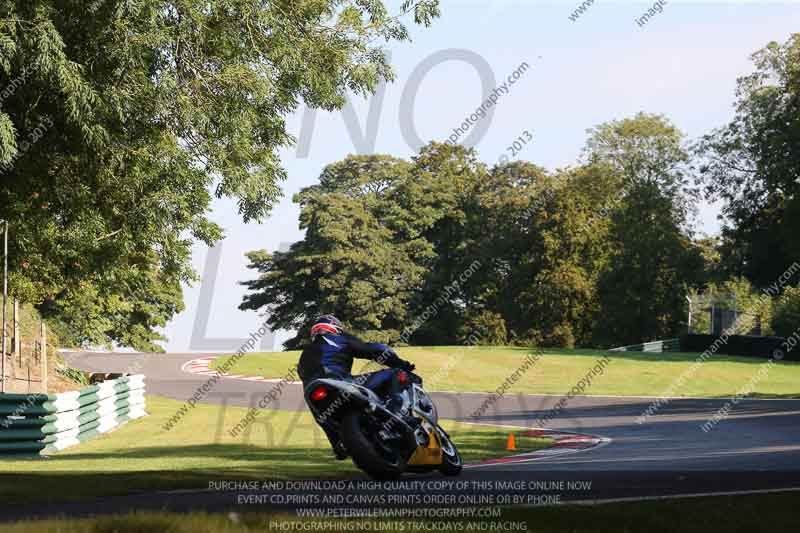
(360, 258)
(654, 260)
(543, 250)
(753, 165)
(445, 247)
(385, 239)
(452, 180)
(120, 120)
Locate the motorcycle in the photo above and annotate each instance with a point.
(388, 431)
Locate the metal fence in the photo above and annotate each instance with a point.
(666, 345)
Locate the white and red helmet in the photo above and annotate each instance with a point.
(327, 325)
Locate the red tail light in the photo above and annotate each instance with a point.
(402, 377)
(320, 393)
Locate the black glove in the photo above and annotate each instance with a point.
(405, 365)
(388, 357)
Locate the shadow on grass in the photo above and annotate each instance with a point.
(86, 476)
(239, 452)
(765, 396)
(89, 479)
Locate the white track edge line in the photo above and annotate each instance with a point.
(600, 501)
(603, 441)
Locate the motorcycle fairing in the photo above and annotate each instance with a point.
(429, 455)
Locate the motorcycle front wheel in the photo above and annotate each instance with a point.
(451, 459)
(369, 453)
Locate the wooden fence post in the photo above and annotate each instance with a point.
(16, 345)
(5, 296)
(43, 358)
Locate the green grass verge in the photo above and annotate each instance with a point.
(140, 456)
(480, 368)
(773, 512)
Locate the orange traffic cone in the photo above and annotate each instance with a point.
(511, 445)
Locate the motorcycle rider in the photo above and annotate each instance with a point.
(331, 354)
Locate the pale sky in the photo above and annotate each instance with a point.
(683, 63)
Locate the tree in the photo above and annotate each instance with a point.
(753, 165)
(385, 240)
(118, 118)
(442, 249)
(359, 258)
(642, 289)
(542, 250)
(753, 311)
(451, 180)
(648, 154)
(128, 304)
(786, 317)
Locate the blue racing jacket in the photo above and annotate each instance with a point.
(332, 355)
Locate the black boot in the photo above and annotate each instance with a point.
(338, 447)
(340, 451)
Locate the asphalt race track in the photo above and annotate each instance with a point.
(756, 448)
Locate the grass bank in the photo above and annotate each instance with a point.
(141, 456)
(773, 512)
(480, 368)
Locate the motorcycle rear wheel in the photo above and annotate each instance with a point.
(368, 453)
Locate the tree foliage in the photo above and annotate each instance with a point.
(786, 317)
(370, 251)
(754, 311)
(120, 120)
(602, 253)
(359, 258)
(753, 165)
(389, 241)
(653, 261)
